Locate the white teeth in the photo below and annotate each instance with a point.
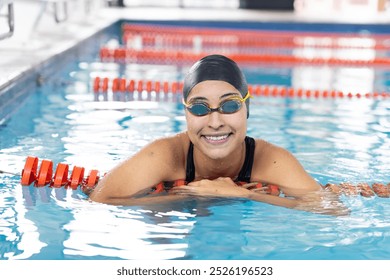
(216, 138)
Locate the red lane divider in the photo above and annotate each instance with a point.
(183, 30)
(259, 41)
(247, 37)
(126, 55)
(363, 189)
(45, 175)
(122, 85)
(60, 179)
(281, 91)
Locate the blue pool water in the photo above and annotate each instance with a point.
(337, 140)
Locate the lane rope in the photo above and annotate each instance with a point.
(157, 56)
(184, 35)
(103, 85)
(258, 41)
(44, 177)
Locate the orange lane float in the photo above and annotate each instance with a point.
(29, 172)
(45, 176)
(365, 190)
(60, 179)
(61, 175)
(381, 190)
(123, 85)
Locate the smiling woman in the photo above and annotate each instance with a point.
(214, 155)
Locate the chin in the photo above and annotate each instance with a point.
(216, 151)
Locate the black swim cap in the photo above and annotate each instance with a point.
(216, 67)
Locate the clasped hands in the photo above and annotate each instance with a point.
(220, 187)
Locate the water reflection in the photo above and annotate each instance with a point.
(114, 232)
(20, 234)
(73, 228)
(342, 78)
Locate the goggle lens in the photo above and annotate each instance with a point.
(199, 109)
(230, 106)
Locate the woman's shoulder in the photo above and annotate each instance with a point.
(176, 141)
(264, 146)
(166, 156)
(266, 152)
(279, 166)
(171, 147)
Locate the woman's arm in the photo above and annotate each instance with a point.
(278, 166)
(145, 200)
(151, 165)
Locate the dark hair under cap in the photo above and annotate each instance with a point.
(216, 67)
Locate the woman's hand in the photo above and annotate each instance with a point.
(221, 187)
(323, 202)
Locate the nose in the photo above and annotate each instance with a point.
(215, 120)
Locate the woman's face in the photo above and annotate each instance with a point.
(216, 135)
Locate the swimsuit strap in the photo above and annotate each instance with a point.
(245, 172)
(190, 167)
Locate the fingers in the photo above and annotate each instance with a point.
(259, 190)
(249, 185)
(225, 179)
(182, 190)
(199, 183)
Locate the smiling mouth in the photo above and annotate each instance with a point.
(217, 138)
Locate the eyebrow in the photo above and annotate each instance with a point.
(201, 98)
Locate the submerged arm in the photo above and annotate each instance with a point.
(145, 200)
(321, 202)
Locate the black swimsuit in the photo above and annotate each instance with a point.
(243, 176)
(245, 172)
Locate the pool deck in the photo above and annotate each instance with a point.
(34, 42)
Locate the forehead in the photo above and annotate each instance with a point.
(210, 89)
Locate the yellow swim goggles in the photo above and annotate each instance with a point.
(227, 106)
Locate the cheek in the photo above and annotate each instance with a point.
(193, 123)
(240, 127)
(238, 120)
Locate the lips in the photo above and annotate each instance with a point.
(217, 139)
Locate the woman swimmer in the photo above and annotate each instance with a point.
(214, 153)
